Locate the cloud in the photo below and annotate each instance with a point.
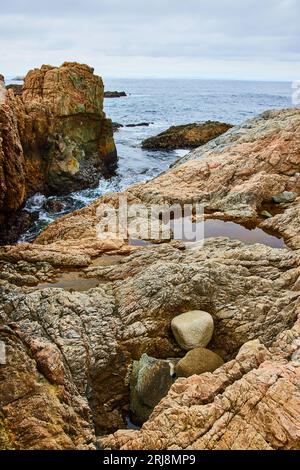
(108, 33)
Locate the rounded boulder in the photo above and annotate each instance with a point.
(197, 362)
(193, 329)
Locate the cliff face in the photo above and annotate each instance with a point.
(67, 140)
(54, 136)
(12, 163)
(78, 318)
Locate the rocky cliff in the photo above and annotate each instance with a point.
(55, 136)
(76, 311)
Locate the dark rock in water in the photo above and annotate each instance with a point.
(149, 382)
(114, 94)
(140, 124)
(116, 126)
(17, 89)
(186, 136)
(16, 224)
(18, 79)
(54, 206)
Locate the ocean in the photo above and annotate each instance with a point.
(162, 103)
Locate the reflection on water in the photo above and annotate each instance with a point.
(190, 232)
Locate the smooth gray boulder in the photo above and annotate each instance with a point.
(193, 329)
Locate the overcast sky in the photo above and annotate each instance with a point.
(240, 39)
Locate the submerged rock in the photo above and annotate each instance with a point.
(193, 329)
(114, 94)
(186, 136)
(197, 361)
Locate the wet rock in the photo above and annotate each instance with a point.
(186, 136)
(54, 205)
(114, 94)
(285, 197)
(150, 381)
(15, 224)
(140, 124)
(193, 329)
(197, 361)
(117, 126)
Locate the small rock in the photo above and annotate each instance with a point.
(266, 214)
(285, 197)
(198, 361)
(193, 329)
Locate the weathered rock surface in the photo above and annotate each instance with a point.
(12, 166)
(64, 123)
(93, 336)
(150, 381)
(54, 136)
(193, 329)
(186, 136)
(197, 361)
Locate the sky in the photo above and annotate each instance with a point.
(220, 39)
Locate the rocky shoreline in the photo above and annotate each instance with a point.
(54, 137)
(68, 380)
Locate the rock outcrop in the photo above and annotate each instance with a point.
(54, 136)
(67, 140)
(114, 94)
(80, 344)
(186, 136)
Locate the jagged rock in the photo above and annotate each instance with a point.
(54, 136)
(12, 171)
(186, 136)
(40, 407)
(150, 381)
(193, 329)
(197, 361)
(64, 121)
